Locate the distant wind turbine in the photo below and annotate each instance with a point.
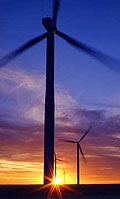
(79, 148)
(64, 173)
(59, 160)
(50, 24)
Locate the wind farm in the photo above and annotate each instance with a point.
(41, 105)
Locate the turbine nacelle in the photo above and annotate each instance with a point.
(49, 24)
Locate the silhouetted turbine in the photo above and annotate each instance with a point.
(50, 25)
(79, 148)
(59, 160)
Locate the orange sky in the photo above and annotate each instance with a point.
(23, 170)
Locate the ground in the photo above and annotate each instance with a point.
(68, 192)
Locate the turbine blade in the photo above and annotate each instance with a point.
(62, 160)
(56, 6)
(67, 141)
(109, 61)
(6, 59)
(85, 134)
(84, 159)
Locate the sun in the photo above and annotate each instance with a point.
(57, 181)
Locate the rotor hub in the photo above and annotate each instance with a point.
(49, 24)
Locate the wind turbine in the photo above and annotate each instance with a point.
(59, 160)
(50, 24)
(64, 174)
(79, 148)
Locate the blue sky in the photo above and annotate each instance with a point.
(95, 23)
(86, 91)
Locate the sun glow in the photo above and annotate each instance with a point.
(57, 181)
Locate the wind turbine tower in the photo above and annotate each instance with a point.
(79, 149)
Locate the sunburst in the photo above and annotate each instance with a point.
(54, 188)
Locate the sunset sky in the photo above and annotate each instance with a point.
(86, 92)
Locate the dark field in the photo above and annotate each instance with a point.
(81, 191)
